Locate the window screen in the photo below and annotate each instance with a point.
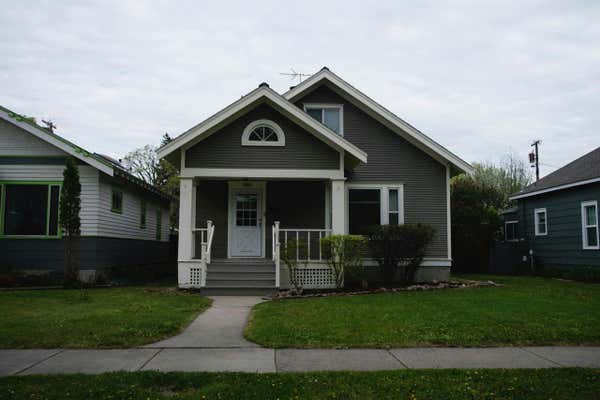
(364, 210)
(25, 209)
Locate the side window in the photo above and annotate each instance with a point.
(541, 222)
(589, 225)
(511, 231)
(116, 204)
(143, 214)
(330, 115)
(158, 223)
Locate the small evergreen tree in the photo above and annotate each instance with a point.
(70, 205)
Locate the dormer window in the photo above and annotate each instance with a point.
(263, 132)
(330, 115)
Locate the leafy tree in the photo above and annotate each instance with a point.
(144, 164)
(70, 205)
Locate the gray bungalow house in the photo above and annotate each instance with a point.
(322, 158)
(557, 217)
(124, 221)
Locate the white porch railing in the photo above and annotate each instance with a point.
(315, 273)
(206, 240)
(305, 236)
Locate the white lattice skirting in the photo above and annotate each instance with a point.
(196, 276)
(317, 277)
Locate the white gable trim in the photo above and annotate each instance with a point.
(406, 130)
(202, 130)
(58, 142)
(554, 188)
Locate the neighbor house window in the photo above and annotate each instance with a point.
(330, 115)
(116, 204)
(511, 231)
(374, 205)
(143, 214)
(158, 223)
(29, 209)
(263, 133)
(589, 225)
(541, 222)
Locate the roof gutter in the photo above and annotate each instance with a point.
(554, 189)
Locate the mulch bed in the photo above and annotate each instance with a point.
(462, 284)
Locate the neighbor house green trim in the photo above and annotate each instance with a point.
(49, 184)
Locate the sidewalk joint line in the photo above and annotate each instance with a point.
(542, 357)
(150, 359)
(398, 359)
(38, 362)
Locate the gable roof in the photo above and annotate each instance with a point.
(582, 171)
(98, 161)
(383, 115)
(261, 94)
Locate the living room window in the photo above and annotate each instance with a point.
(330, 115)
(29, 209)
(116, 204)
(370, 205)
(589, 225)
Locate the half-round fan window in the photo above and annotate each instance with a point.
(263, 133)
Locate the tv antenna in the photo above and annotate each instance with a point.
(49, 125)
(295, 75)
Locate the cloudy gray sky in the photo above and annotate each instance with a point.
(480, 77)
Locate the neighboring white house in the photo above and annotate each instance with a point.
(124, 221)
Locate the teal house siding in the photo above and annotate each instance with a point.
(562, 247)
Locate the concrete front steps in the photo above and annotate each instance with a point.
(240, 276)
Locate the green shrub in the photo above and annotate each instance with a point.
(288, 254)
(343, 254)
(399, 249)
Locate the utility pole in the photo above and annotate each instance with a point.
(535, 157)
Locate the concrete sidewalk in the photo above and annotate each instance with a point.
(252, 359)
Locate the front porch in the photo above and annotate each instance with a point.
(239, 227)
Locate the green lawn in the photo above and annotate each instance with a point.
(408, 384)
(94, 318)
(533, 311)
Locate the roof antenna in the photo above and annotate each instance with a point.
(49, 125)
(295, 75)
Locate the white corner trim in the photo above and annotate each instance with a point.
(448, 213)
(262, 173)
(536, 213)
(61, 143)
(263, 123)
(555, 188)
(584, 225)
(405, 128)
(320, 131)
(323, 106)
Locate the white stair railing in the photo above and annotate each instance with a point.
(206, 240)
(276, 247)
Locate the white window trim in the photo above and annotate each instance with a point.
(584, 225)
(322, 106)
(263, 122)
(536, 212)
(507, 223)
(383, 200)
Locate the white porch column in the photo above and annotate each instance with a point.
(338, 207)
(187, 194)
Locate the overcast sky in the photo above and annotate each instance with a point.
(479, 77)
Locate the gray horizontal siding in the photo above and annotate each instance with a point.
(94, 253)
(15, 141)
(223, 149)
(393, 159)
(563, 245)
(126, 225)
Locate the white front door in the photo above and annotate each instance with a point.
(246, 223)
